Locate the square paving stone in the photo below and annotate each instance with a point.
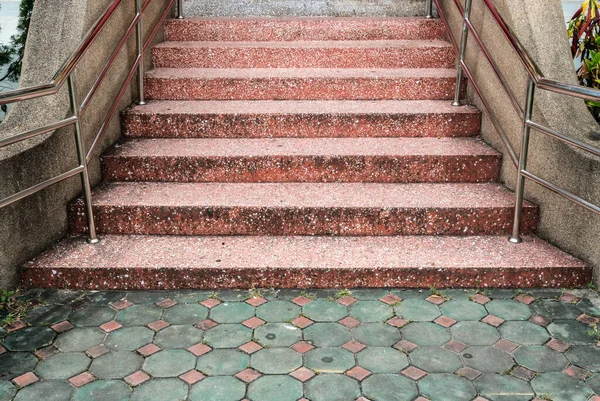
(276, 361)
(561, 387)
(103, 390)
(329, 360)
(178, 337)
(371, 311)
(231, 312)
(382, 360)
(331, 387)
(487, 359)
(435, 360)
(116, 365)
(475, 333)
(386, 387)
(147, 297)
(540, 359)
(139, 315)
(496, 387)
(376, 334)
(463, 310)
(425, 333)
(587, 357)
(228, 336)
(327, 334)
(29, 339)
(446, 387)
(63, 366)
(321, 310)
(128, 338)
(169, 363)
(278, 334)
(54, 390)
(223, 362)
(47, 315)
(417, 310)
(7, 390)
(572, 332)
(278, 311)
(275, 388)
(218, 388)
(524, 333)
(556, 310)
(509, 309)
(186, 314)
(160, 390)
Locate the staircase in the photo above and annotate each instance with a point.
(302, 152)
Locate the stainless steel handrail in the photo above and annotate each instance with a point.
(66, 74)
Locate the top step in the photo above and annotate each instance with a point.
(302, 29)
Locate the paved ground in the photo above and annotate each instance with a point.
(289, 345)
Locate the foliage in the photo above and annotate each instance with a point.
(13, 307)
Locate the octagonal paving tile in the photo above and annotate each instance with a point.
(554, 309)
(63, 366)
(139, 315)
(376, 334)
(278, 334)
(278, 311)
(231, 312)
(587, 357)
(594, 383)
(147, 297)
(218, 388)
(178, 337)
(508, 309)
(495, 387)
(275, 388)
(79, 339)
(369, 294)
(425, 333)
(524, 333)
(228, 336)
(417, 310)
(190, 296)
(47, 315)
(169, 363)
(7, 391)
(586, 306)
(160, 390)
(327, 334)
(371, 311)
(13, 364)
(223, 362)
(331, 387)
(322, 310)
(410, 294)
(382, 359)
(106, 297)
(560, 387)
(487, 359)
(116, 365)
(129, 338)
(103, 390)
(386, 387)
(29, 339)
(475, 333)
(435, 360)
(329, 360)
(53, 390)
(185, 314)
(540, 359)
(463, 310)
(446, 387)
(572, 332)
(92, 315)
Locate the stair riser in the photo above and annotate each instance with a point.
(389, 169)
(276, 30)
(300, 125)
(185, 278)
(300, 89)
(201, 57)
(181, 220)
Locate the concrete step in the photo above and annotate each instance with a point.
(303, 160)
(302, 209)
(305, 54)
(303, 119)
(294, 29)
(171, 262)
(300, 84)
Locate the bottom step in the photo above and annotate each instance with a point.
(171, 262)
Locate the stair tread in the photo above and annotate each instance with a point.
(309, 44)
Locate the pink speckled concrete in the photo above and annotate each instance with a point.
(302, 209)
(259, 119)
(306, 54)
(300, 84)
(306, 160)
(166, 262)
(307, 28)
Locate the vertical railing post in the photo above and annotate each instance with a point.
(140, 51)
(461, 53)
(515, 238)
(85, 176)
(429, 12)
(180, 9)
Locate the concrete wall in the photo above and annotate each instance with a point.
(31, 225)
(540, 27)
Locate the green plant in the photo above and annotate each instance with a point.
(13, 307)
(592, 286)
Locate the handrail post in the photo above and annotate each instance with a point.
(140, 51)
(429, 13)
(85, 176)
(461, 54)
(515, 238)
(180, 9)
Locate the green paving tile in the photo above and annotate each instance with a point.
(463, 310)
(116, 365)
(555, 309)
(545, 292)
(370, 294)
(169, 363)
(329, 360)
(508, 309)
(139, 315)
(435, 360)
(586, 306)
(228, 336)
(446, 387)
(370, 311)
(106, 297)
(572, 331)
(47, 315)
(278, 334)
(327, 334)
(128, 338)
(178, 337)
(48, 391)
(385, 387)
(147, 297)
(103, 390)
(524, 333)
(411, 294)
(594, 383)
(376, 334)
(458, 293)
(540, 359)
(161, 390)
(276, 360)
(382, 360)
(233, 295)
(7, 391)
(59, 297)
(284, 294)
(500, 293)
(63, 366)
(278, 311)
(92, 315)
(185, 314)
(475, 333)
(231, 312)
(79, 339)
(560, 387)
(329, 387)
(29, 339)
(218, 388)
(417, 310)
(13, 364)
(496, 387)
(487, 359)
(223, 362)
(425, 333)
(2, 333)
(587, 357)
(190, 297)
(275, 388)
(322, 310)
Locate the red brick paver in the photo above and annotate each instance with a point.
(81, 379)
(191, 377)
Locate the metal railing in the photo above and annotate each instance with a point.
(66, 74)
(536, 80)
